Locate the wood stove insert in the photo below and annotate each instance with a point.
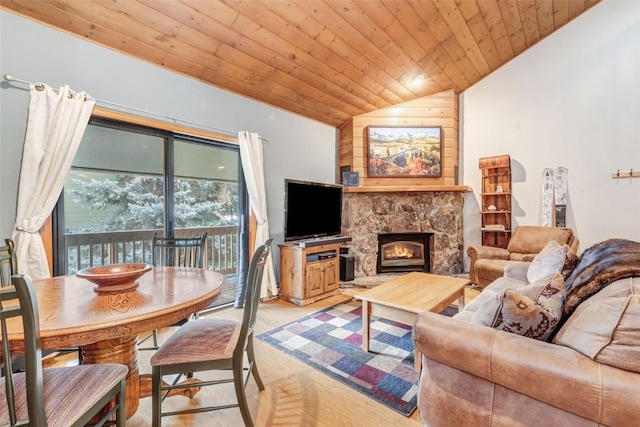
(403, 252)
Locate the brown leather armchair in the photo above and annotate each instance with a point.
(488, 263)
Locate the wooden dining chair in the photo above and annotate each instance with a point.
(208, 344)
(68, 396)
(175, 252)
(9, 267)
(178, 251)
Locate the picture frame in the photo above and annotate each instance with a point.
(351, 179)
(404, 151)
(343, 169)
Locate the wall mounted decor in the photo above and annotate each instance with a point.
(343, 169)
(405, 151)
(351, 179)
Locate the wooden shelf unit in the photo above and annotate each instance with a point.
(496, 174)
(309, 274)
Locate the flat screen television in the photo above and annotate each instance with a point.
(311, 210)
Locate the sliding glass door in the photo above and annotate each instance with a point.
(127, 183)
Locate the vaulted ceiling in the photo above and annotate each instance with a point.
(326, 60)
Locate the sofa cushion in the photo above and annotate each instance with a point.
(605, 326)
(532, 311)
(488, 293)
(517, 270)
(547, 263)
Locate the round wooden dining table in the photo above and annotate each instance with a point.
(106, 325)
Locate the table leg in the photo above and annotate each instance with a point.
(146, 386)
(366, 309)
(461, 302)
(118, 350)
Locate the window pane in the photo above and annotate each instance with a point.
(104, 148)
(112, 201)
(206, 198)
(113, 198)
(206, 185)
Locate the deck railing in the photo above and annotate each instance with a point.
(83, 250)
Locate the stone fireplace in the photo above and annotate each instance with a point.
(439, 214)
(403, 252)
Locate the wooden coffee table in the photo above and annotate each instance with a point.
(403, 298)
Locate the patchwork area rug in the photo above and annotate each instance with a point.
(330, 341)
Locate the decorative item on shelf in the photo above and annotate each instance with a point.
(114, 278)
(499, 189)
(491, 208)
(351, 179)
(493, 227)
(405, 151)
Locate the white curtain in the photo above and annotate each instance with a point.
(253, 166)
(55, 127)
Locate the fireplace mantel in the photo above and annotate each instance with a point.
(407, 188)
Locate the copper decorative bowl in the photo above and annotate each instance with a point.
(115, 277)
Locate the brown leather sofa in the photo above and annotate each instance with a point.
(586, 374)
(488, 263)
(477, 376)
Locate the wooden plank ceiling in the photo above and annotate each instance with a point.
(326, 60)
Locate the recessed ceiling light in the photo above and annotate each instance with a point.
(417, 80)
(220, 167)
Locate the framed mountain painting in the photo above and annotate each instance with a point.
(405, 151)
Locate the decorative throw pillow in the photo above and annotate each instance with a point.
(605, 326)
(532, 311)
(547, 262)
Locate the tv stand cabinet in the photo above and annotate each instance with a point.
(309, 274)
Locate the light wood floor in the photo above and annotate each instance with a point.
(295, 395)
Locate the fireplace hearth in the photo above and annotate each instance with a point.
(403, 252)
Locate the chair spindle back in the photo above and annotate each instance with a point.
(8, 262)
(254, 281)
(178, 251)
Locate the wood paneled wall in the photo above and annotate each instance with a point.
(440, 109)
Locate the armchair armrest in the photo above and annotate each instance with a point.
(487, 252)
(483, 252)
(574, 243)
(547, 372)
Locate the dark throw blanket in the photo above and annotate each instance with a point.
(600, 265)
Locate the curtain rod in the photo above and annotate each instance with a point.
(40, 86)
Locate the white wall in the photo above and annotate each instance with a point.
(572, 100)
(298, 147)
